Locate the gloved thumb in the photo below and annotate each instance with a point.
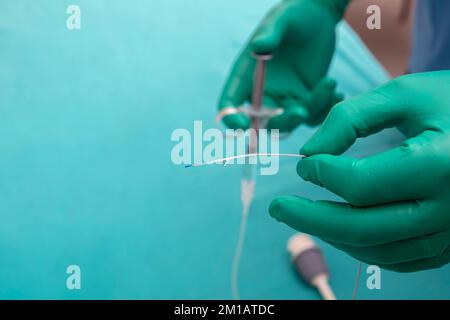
(270, 33)
(332, 172)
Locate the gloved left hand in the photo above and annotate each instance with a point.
(301, 36)
(398, 210)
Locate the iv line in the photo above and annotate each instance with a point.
(358, 275)
(237, 257)
(247, 191)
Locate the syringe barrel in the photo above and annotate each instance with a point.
(258, 88)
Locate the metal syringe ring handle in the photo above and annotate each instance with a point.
(226, 112)
(264, 112)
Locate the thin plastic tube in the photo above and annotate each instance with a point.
(224, 161)
(238, 254)
(358, 275)
(247, 192)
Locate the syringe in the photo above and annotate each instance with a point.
(248, 177)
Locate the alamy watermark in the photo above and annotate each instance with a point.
(201, 146)
(73, 21)
(374, 279)
(373, 22)
(73, 281)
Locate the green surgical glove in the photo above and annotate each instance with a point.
(301, 36)
(398, 211)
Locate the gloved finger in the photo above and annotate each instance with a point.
(294, 114)
(383, 178)
(354, 118)
(270, 32)
(419, 265)
(237, 121)
(319, 118)
(270, 100)
(369, 226)
(337, 98)
(423, 247)
(237, 90)
(414, 266)
(321, 97)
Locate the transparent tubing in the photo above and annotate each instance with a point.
(247, 193)
(249, 174)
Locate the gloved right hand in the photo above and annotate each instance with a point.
(301, 36)
(397, 212)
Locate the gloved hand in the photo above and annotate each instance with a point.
(398, 211)
(301, 36)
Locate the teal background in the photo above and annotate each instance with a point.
(85, 171)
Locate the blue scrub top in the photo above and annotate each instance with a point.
(431, 36)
